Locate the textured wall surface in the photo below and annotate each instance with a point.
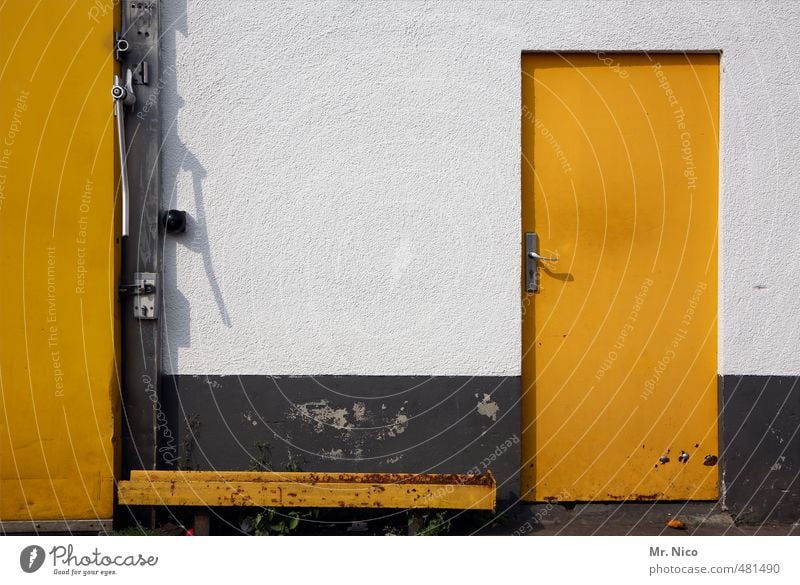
(352, 176)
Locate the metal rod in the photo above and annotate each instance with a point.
(119, 113)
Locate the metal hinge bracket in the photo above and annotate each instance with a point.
(141, 74)
(143, 291)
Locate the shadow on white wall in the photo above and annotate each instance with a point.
(179, 159)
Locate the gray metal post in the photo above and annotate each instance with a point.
(141, 249)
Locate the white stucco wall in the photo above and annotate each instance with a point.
(352, 171)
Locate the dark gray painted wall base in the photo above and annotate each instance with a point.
(345, 423)
(448, 425)
(761, 447)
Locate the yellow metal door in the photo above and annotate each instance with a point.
(619, 367)
(59, 260)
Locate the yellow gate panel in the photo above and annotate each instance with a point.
(58, 255)
(619, 182)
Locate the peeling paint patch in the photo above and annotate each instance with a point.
(775, 434)
(332, 453)
(779, 463)
(208, 381)
(322, 414)
(399, 425)
(487, 407)
(250, 417)
(394, 459)
(359, 411)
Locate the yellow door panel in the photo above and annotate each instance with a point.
(59, 257)
(619, 367)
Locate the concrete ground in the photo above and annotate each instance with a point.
(632, 518)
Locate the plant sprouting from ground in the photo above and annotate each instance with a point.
(426, 523)
(430, 524)
(271, 521)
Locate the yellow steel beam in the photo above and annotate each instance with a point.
(311, 490)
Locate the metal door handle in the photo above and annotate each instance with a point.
(123, 96)
(536, 256)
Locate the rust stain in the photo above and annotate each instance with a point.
(635, 497)
(401, 478)
(644, 497)
(238, 497)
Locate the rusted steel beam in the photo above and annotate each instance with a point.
(312, 490)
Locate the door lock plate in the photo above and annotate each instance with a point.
(532, 259)
(531, 262)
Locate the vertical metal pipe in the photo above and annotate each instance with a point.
(119, 113)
